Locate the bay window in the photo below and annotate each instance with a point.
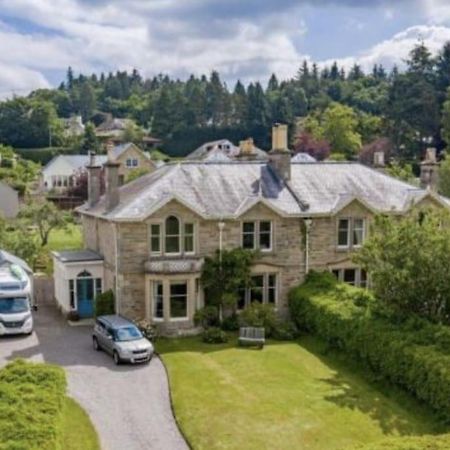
(178, 300)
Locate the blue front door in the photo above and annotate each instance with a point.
(85, 297)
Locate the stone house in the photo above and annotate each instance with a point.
(150, 236)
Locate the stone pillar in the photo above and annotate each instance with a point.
(280, 156)
(112, 184)
(94, 175)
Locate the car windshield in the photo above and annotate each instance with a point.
(129, 333)
(13, 305)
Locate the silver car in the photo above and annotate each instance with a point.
(122, 339)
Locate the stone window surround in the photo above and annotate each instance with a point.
(162, 236)
(265, 292)
(357, 270)
(132, 163)
(194, 297)
(256, 245)
(351, 220)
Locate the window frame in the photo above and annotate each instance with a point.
(160, 237)
(178, 236)
(247, 291)
(339, 274)
(192, 235)
(154, 285)
(350, 232)
(270, 233)
(172, 283)
(252, 233)
(257, 235)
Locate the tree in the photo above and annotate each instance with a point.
(445, 120)
(444, 178)
(133, 133)
(407, 259)
(317, 148)
(90, 141)
(87, 101)
(45, 216)
(224, 274)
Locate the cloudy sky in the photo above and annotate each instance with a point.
(246, 39)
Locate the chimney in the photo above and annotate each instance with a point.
(378, 159)
(280, 156)
(429, 170)
(246, 150)
(94, 174)
(109, 150)
(112, 193)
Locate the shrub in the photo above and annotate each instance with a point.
(105, 303)
(231, 323)
(259, 315)
(285, 331)
(441, 442)
(214, 335)
(207, 316)
(148, 330)
(32, 398)
(412, 353)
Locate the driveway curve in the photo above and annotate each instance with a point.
(128, 405)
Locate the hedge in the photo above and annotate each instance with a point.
(105, 303)
(413, 354)
(32, 399)
(441, 442)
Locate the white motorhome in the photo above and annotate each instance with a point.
(16, 295)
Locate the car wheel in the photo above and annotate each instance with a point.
(116, 358)
(95, 344)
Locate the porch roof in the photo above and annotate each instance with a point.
(76, 256)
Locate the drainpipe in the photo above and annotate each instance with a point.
(308, 223)
(221, 226)
(116, 269)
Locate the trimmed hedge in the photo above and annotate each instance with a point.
(413, 354)
(105, 303)
(32, 399)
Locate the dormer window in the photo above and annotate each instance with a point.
(172, 237)
(350, 233)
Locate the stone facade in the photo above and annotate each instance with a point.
(133, 153)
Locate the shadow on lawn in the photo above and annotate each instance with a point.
(355, 387)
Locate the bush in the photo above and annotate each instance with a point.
(230, 323)
(441, 442)
(412, 353)
(207, 317)
(105, 303)
(148, 330)
(214, 335)
(285, 331)
(259, 315)
(32, 399)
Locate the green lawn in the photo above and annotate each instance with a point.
(70, 239)
(288, 395)
(78, 431)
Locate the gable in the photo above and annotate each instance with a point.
(59, 166)
(258, 210)
(353, 207)
(175, 207)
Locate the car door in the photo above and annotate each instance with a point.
(100, 333)
(109, 339)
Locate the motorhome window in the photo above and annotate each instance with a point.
(14, 305)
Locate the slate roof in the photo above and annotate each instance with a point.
(228, 189)
(76, 161)
(74, 256)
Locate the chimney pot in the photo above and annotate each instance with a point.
(378, 159)
(280, 156)
(280, 137)
(429, 170)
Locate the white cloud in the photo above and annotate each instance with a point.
(396, 50)
(17, 80)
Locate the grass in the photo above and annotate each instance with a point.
(289, 395)
(69, 239)
(78, 431)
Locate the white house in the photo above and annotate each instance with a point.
(9, 201)
(78, 279)
(59, 173)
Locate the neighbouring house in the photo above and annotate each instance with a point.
(303, 158)
(216, 150)
(130, 157)
(147, 240)
(73, 126)
(61, 172)
(9, 201)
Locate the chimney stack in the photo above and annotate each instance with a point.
(429, 170)
(378, 159)
(94, 174)
(109, 150)
(280, 156)
(112, 193)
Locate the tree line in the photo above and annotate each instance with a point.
(329, 109)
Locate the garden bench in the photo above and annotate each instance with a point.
(252, 336)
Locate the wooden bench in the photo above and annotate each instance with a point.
(252, 336)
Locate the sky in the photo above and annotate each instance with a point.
(242, 39)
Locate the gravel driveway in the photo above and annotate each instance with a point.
(129, 405)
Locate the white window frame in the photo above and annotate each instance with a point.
(358, 271)
(350, 229)
(191, 252)
(257, 235)
(153, 288)
(265, 292)
(179, 235)
(178, 319)
(161, 237)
